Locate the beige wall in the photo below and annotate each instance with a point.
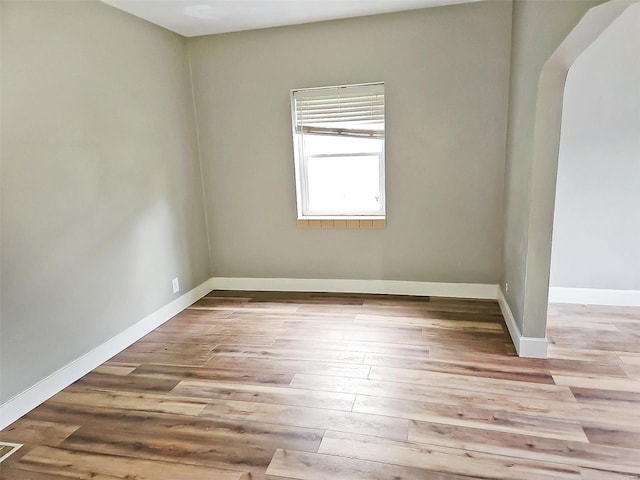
(446, 78)
(101, 190)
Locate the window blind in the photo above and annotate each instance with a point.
(353, 111)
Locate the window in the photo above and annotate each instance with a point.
(338, 137)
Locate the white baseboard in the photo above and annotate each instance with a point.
(529, 347)
(390, 287)
(25, 401)
(595, 296)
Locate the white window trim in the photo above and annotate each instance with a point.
(301, 167)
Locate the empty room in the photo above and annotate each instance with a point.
(320, 239)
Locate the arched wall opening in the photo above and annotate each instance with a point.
(595, 256)
(546, 145)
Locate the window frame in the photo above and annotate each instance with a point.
(301, 160)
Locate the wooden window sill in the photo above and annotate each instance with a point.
(340, 223)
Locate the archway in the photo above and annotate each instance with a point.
(545, 163)
(595, 257)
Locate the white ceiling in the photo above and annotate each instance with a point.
(205, 17)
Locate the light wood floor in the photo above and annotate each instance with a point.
(358, 387)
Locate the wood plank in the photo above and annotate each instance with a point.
(292, 330)
(442, 459)
(597, 365)
(496, 346)
(220, 443)
(131, 401)
(82, 465)
(77, 414)
(611, 341)
(244, 364)
(598, 382)
(581, 354)
(213, 300)
(249, 307)
(628, 437)
(459, 368)
(629, 358)
(401, 338)
(38, 432)
(208, 389)
(488, 326)
(565, 329)
(525, 446)
(601, 414)
(12, 472)
(615, 398)
(115, 368)
(129, 383)
(250, 322)
(439, 304)
(315, 466)
(355, 346)
(244, 336)
(267, 376)
(471, 417)
(422, 311)
(352, 326)
(203, 317)
(260, 317)
(176, 326)
(318, 418)
(177, 348)
(632, 371)
(597, 474)
(480, 384)
(290, 353)
(185, 360)
(10, 469)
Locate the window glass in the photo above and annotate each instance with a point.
(338, 135)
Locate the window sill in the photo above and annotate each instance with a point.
(368, 222)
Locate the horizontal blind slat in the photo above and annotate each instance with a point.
(342, 93)
(353, 111)
(338, 108)
(335, 106)
(342, 117)
(342, 100)
(348, 132)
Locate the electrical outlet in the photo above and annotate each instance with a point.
(176, 285)
(506, 287)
